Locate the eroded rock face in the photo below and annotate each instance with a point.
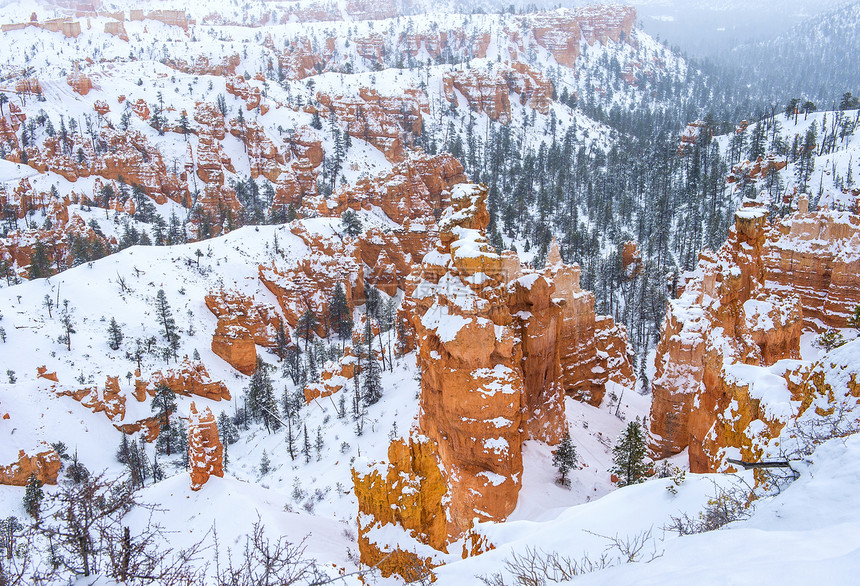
(745, 308)
(387, 122)
(205, 452)
(242, 325)
(45, 465)
(560, 32)
(307, 283)
(593, 349)
(190, 378)
(489, 92)
(817, 255)
(490, 336)
(407, 493)
(335, 377)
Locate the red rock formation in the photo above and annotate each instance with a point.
(409, 493)
(264, 157)
(168, 17)
(28, 85)
(488, 91)
(205, 452)
(631, 259)
(79, 82)
(586, 369)
(211, 159)
(235, 344)
(387, 122)
(117, 29)
(101, 107)
(237, 86)
(727, 316)
(308, 283)
(202, 65)
(141, 108)
(817, 256)
(561, 31)
(190, 378)
(472, 381)
(45, 465)
(207, 114)
(42, 372)
(334, 377)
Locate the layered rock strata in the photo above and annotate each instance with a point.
(743, 308)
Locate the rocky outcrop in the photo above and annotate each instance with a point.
(474, 399)
(817, 256)
(406, 494)
(117, 29)
(307, 283)
(489, 91)
(335, 376)
(593, 349)
(29, 85)
(490, 336)
(44, 464)
(205, 452)
(80, 82)
(388, 122)
(190, 378)
(743, 307)
(561, 31)
(237, 86)
(203, 65)
(235, 344)
(242, 325)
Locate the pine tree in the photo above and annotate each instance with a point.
(564, 457)
(228, 433)
(165, 316)
(114, 335)
(261, 397)
(306, 325)
(319, 443)
(351, 223)
(628, 456)
(265, 464)
(68, 324)
(33, 496)
(306, 447)
(371, 390)
(164, 405)
(339, 314)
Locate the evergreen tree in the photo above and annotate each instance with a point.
(165, 317)
(628, 456)
(306, 325)
(351, 223)
(163, 404)
(114, 335)
(33, 496)
(371, 390)
(228, 433)
(68, 324)
(339, 314)
(564, 458)
(306, 447)
(261, 397)
(265, 464)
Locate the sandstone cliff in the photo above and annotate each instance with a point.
(746, 307)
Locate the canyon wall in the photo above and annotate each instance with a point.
(744, 309)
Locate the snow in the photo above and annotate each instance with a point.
(445, 324)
